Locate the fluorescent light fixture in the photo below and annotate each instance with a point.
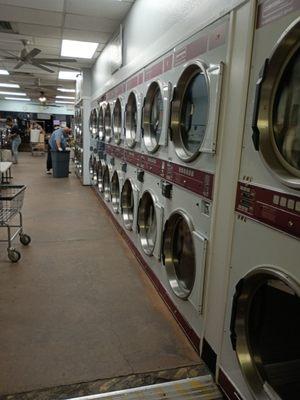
(16, 98)
(69, 75)
(11, 85)
(64, 102)
(4, 72)
(66, 90)
(14, 93)
(65, 97)
(75, 48)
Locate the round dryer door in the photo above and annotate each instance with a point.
(91, 123)
(190, 112)
(147, 223)
(107, 123)
(153, 117)
(101, 169)
(265, 331)
(91, 166)
(106, 183)
(115, 192)
(101, 131)
(127, 204)
(277, 113)
(131, 120)
(117, 122)
(95, 174)
(179, 254)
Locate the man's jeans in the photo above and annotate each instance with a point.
(14, 148)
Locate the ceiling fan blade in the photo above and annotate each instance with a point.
(9, 58)
(19, 65)
(10, 53)
(42, 60)
(34, 52)
(42, 67)
(61, 66)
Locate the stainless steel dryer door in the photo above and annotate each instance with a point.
(265, 332)
(276, 116)
(195, 110)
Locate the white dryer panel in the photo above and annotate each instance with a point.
(254, 250)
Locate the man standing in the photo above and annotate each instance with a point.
(14, 135)
(57, 142)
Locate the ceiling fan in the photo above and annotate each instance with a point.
(29, 57)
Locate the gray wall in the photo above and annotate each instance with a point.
(151, 28)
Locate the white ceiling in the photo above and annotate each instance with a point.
(44, 23)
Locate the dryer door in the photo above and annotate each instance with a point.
(179, 255)
(150, 216)
(117, 122)
(115, 192)
(195, 110)
(276, 117)
(101, 131)
(131, 120)
(106, 183)
(129, 200)
(107, 123)
(265, 331)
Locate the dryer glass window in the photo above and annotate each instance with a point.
(115, 192)
(117, 122)
(156, 115)
(153, 117)
(147, 223)
(127, 204)
(107, 123)
(286, 113)
(183, 255)
(194, 114)
(106, 184)
(265, 329)
(274, 331)
(100, 176)
(101, 123)
(131, 120)
(179, 254)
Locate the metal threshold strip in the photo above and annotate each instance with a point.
(200, 388)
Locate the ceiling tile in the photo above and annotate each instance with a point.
(47, 42)
(94, 24)
(112, 9)
(86, 36)
(27, 15)
(39, 30)
(48, 5)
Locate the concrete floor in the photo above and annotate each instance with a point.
(77, 307)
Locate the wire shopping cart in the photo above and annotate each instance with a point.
(11, 202)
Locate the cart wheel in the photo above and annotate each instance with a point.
(13, 255)
(25, 239)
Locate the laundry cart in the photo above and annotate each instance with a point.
(11, 202)
(37, 142)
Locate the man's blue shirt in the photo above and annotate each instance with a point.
(58, 134)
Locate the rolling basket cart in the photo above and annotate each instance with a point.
(11, 202)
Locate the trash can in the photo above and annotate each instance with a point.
(60, 163)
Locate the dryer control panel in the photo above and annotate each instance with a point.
(277, 209)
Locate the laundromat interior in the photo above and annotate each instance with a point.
(151, 251)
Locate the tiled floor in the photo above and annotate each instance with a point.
(77, 307)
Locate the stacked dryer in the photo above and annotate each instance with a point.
(260, 357)
(93, 160)
(170, 167)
